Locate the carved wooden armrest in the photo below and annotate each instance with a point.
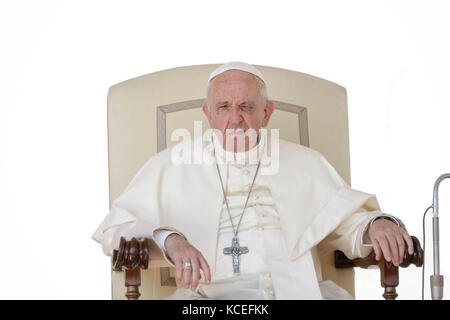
(134, 255)
(388, 271)
(131, 257)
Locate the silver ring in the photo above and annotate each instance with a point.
(186, 265)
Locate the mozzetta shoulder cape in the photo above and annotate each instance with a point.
(311, 198)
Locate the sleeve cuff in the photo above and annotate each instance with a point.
(397, 221)
(160, 235)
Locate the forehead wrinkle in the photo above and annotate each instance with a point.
(230, 91)
(230, 76)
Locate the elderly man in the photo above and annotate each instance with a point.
(234, 229)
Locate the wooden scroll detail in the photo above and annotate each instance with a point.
(388, 271)
(131, 257)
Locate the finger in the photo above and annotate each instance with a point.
(206, 271)
(195, 273)
(393, 248)
(385, 248)
(178, 270)
(377, 249)
(409, 242)
(401, 247)
(187, 274)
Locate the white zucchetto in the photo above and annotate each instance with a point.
(236, 66)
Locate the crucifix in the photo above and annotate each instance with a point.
(235, 250)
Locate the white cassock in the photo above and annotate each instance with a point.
(289, 212)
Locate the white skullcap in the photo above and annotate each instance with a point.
(236, 66)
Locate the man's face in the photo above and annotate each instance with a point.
(237, 106)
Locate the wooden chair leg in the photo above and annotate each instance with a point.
(389, 279)
(132, 282)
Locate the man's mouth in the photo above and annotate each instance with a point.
(234, 132)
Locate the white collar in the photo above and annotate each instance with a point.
(251, 157)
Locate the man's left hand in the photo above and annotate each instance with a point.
(388, 240)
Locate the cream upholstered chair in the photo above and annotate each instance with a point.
(144, 111)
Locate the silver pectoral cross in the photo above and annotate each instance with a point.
(235, 250)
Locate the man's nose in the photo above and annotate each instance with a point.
(235, 115)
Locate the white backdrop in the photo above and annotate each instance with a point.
(58, 59)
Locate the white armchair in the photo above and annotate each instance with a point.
(144, 111)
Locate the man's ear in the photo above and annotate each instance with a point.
(206, 112)
(270, 108)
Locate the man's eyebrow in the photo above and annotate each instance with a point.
(221, 103)
(249, 103)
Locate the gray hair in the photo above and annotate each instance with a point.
(261, 85)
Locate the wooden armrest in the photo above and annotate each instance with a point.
(388, 271)
(134, 255)
(143, 253)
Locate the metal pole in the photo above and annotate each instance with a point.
(436, 280)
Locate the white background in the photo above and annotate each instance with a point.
(58, 59)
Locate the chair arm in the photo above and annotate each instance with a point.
(134, 255)
(388, 271)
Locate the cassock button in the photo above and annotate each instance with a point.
(246, 172)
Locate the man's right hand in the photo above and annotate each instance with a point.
(179, 250)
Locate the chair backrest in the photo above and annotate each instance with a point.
(144, 111)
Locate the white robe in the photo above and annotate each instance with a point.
(311, 198)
